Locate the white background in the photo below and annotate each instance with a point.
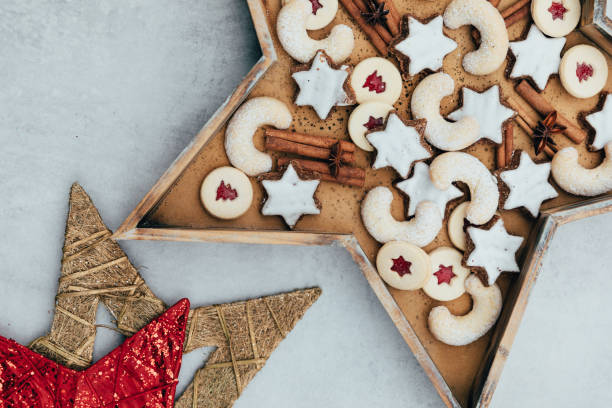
(109, 92)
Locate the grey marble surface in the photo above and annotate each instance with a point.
(108, 93)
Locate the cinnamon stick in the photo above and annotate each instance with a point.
(517, 16)
(495, 3)
(500, 154)
(509, 141)
(323, 171)
(375, 38)
(543, 107)
(382, 31)
(530, 120)
(313, 140)
(393, 18)
(514, 8)
(282, 145)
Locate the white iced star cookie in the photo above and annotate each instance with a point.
(537, 56)
(488, 111)
(601, 122)
(399, 145)
(491, 250)
(322, 86)
(290, 197)
(420, 188)
(528, 184)
(421, 45)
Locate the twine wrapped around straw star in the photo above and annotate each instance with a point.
(94, 269)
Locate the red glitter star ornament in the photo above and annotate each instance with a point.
(226, 192)
(583, 71)
(142, 372)
(375, 83)
(444, 274)
(557, 10)
(401, 266)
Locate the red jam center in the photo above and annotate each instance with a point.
(373, 123)
(444, 274)
(557, 10)
(375, 83)
(226, 192)
(401, 266)
(315, 6)
(583, 71)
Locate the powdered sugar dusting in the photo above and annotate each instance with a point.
(575, 179)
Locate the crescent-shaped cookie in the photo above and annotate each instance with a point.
(484, 191)
(575, 179)
(425, 104)
(493, 34)
(291, 29)
(377, 219)
(462, 330)
(253, 114)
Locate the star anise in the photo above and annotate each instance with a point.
(542, 134)
(335, 159)
(376, 13)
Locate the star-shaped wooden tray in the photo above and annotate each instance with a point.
(463, 376)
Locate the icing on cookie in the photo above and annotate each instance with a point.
(575, 179)
(380, 224)
(424, 44)
(252, 115)
(425, 104)
(528, 184)
(290, 197)
(488, 111)
(484, 192)
(291, 29)
(494, 250)
(462, 330)
(365, 117)
(420, 188)
(322, 86)
(491, 53)
(583, 71)
(376, 79)
(537, 56)
(399, 145)
(602, 123)
(556, 18)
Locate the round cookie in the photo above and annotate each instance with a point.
(583, 71)
(226, 193)
(556, 18)
(447, 278)
(402, 265)
(376, 79)
(323, 12)
(456, 221)
(365, 117)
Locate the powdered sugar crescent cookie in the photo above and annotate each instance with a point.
(556, 18)
(291, 29)
(425, 104)
(493, 34)
(323, 12)
(446, 279)
(459, 166)
(365, 117)
(378, 221)
(575, 179)
(462, 330)
(253, 114)
(376, 79)
(583, 71)
(402, 265)
(456, 225)
(226, 193)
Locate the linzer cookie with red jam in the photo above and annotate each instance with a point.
(376, 79)
(289, 195)
(403, 266)
(537, 57)
(556, 18)
(226, 193)
(366, 117)
(323, 85)
(491, 250)
(421, 45)
(447, 277)
(583, 71)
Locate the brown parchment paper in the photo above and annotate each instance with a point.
(181, 206)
